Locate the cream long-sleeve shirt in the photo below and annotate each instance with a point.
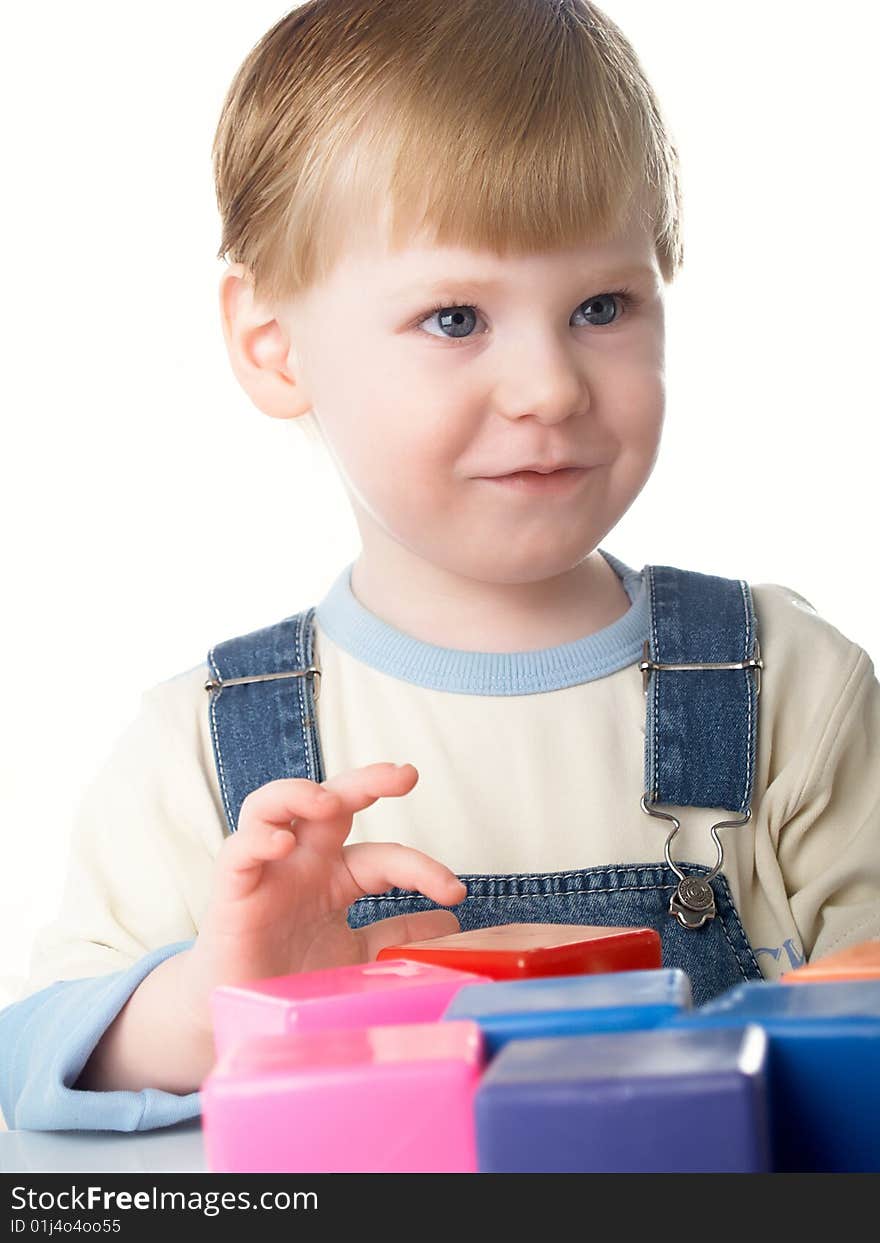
(544, 781)
(538, 782)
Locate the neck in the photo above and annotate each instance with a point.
(437, 606)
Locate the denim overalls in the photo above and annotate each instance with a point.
(701, 669)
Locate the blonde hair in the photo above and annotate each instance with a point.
(509, 125)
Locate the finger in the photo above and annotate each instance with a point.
(243, 855)
(377, 866)
(361, 787)
(401, 929)
(279, 802)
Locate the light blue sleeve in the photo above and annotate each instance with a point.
(46, 1040)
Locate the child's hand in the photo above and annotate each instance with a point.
(284, 881)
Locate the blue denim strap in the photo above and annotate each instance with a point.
(263, 709)
(701, 728)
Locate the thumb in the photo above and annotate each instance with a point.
(403, 928)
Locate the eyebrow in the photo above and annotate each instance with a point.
(614, 273)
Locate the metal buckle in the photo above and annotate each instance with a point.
(754, 662)
(693, 902)
(217, 685)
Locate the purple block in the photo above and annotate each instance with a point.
(660, 1101)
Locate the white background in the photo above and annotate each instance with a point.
(149, 510)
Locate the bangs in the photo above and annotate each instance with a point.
(514, 127)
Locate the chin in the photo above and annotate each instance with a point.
(512, 566)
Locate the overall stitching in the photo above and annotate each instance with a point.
(216, 738)
(514, 876)
(608, 871)
(301, 692)
(748, 943)
(734, 952)
(655, 692)
(510, 897)
(744, 588)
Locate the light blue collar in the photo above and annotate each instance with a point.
(369, 639)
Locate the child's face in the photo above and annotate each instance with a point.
(544, 369)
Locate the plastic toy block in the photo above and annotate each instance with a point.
(365, 995)
(372, 1100)
(824, 1068)
(656, 1101)
(859, 962)
(512, 951)
(571, 1005)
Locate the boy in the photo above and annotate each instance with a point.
(449, 226)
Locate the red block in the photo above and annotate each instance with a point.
(513, 951)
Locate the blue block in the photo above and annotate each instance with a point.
(660, 1101)
(823, 1068)
(570, 1005)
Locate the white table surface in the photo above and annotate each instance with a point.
(170, 1149)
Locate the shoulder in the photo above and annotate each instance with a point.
(180, 700)
(176, 717)
(179, 709)
(793, 631)
(811, 669)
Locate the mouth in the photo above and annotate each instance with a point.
(532, 482)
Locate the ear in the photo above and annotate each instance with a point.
(259, 348)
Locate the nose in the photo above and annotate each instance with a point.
(543, 379)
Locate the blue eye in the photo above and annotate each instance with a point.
(594, 307)
(454, 318)
(458, 321)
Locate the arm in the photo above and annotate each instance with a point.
(125, 1050)
(150, 1043)
(829, 849)
(162, 1037)
(47, 1038)
(142, 853)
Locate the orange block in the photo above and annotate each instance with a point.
(859, 962)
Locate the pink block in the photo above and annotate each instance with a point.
(369, 994)
(373, 1100)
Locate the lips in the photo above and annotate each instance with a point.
(539, 483)
(535, 469)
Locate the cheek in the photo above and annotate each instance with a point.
(635, 425)
(637, 412)
(396, 452)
